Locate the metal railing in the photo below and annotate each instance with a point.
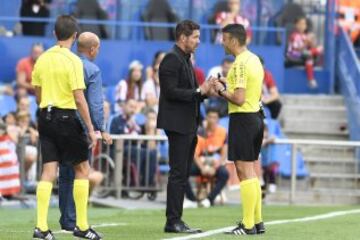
(130, 165)
(296, 143)
(348, 72)
(126, 164)
(137, 28)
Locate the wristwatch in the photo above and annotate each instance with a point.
(198, 90)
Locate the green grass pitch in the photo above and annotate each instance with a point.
(17, 224)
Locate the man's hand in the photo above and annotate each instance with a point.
(219, 86)
(205, 88)
(106, 138)
(264, 100)
(93, 139)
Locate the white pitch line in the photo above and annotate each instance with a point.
(102, 225)
(305, 219)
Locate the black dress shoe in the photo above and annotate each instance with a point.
(180, 227)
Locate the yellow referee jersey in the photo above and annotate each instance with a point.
(58, 72)
(248, 73)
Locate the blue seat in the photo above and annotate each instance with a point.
(33, 108)
(110, 94)
(140, 119)
(224, 122)
(7, 104)
(281, 153)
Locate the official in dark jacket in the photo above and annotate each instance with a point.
(179, 108)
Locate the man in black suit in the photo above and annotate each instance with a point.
(179, 116)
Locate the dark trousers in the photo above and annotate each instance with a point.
(66, 199)
(181, 156)
(221, 177)
(147, 165)
(274, 108)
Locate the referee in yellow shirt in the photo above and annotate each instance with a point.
(244, 84)
(59, 83)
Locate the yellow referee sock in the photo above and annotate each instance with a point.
(81, 195)
(258, 206)
(43, 194)
(248, 191)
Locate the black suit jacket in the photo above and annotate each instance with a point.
(179, 105)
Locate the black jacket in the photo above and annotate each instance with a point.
(179, 106)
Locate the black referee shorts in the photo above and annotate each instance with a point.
(246, 132)
(62, 138)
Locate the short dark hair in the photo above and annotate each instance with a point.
(236, 31)
(227, 60)
(65, 27)
(213, 110)
(261, 59)
(298, 18)
(186, 27)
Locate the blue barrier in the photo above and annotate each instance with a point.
(348, 72)
(281, 153)
(295, 81)
(115, 56)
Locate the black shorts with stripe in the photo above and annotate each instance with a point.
(62, 137)
(245, 136)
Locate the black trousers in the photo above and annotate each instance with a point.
(181, 156)
(274, 108)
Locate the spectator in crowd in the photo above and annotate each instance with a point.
(23, 104)
(132, 86)
(13, 131)
(159, 11)
(91, 10)
(222, 70)
(269, 169)
(151, 85)
(29, 131)
(199, 73)
(7, 89)
(210, 157)
(107, 113)
(231, 16)
(349, 19)
(270, 94)
(302, 50)
(150, 129)
(25, 67)
(158, 57)
(10, 119)
(151, 104)
(9, 165)
(34, 9)
(125, 124)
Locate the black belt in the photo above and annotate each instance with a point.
(57, 110)
(50, 111)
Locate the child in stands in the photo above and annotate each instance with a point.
(302, 50)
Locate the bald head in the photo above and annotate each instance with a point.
(88, 44)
